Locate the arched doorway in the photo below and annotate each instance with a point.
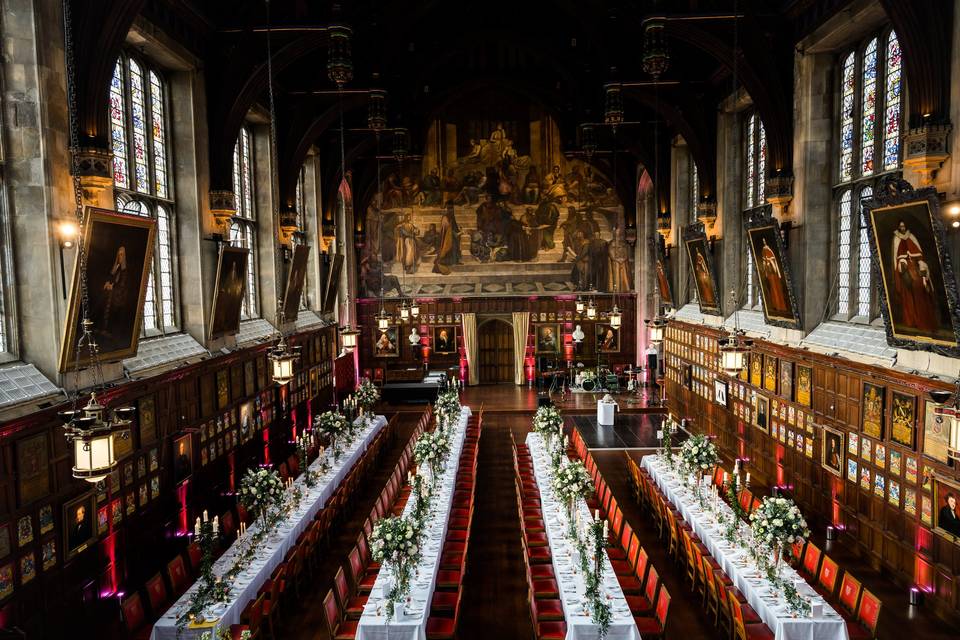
(495, 351)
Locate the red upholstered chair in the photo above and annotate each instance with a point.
(745, 498)
(134, 615)
(442, 628)
(362, 583)
(827, 580)
(643, 604)
(177, 573)
(743, 630)
(754, 504)
(850, 589)
(868, 614)
(352, 605)
(157, 594)
(811, 561)
(252, 616)
(547, 630)
(338, 628)
(378, 376)
(195, 555)
(796, 552)
(656, 626)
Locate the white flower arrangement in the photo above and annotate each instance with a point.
(698, 454)
(447, 408)
(335, 426)
(777, 523)
(395, 542)
(548, 422)
(367, 395)
(431, 449)
(261, 491)
(572, 481)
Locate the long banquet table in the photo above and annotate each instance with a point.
(412, 625)
(735, 562)
(570, 580)
(274, 549)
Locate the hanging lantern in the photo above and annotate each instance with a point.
(401, 143)
(339, 60)
(656, 55)
(613, 104)
(414, 309)
(591, 310)
(404, 311)
(733, 352)
(655, 329)
(283, 359)
(377, 110)
(580, 304)
(349, 336)
(588, 140)
(91, 431)
(615, 317)
(383, 319)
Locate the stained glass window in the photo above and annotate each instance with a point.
(755, 181)
(891, 133)
(138, 133)
(868, 119)
(243, 230)
(751, 168)
(870, 127)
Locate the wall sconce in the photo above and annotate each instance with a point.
(67, 233)
(952, 210)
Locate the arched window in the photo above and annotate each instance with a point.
(141, 177)
(754, 194)
(243, 228)
(871, 84)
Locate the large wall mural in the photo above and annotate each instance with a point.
(493, 207)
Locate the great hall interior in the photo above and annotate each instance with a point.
(421, 320)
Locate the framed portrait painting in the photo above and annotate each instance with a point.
(147, 420)
(831, 452)
(33, 470)
(663, 274)
(903, 418)
(763, 411)
(182, 457)
(548, 338)
(229, 289)
(78, 525)
(385, 344)
(786, 380)
(918, 296)
(946, 497)
(445, 340)
(701, 265)
(118, 249)
(332, 285)
(296, 278)
(871, 422)
(608, 338)
(772, 269)
(804, 392)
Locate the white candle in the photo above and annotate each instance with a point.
(216, 524)
(205, 515)
(725, 477)
(596, 514)
(196, 528)
(606, 529)
(748, 478)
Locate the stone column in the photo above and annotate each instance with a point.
(729, 246)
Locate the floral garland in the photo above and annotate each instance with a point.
(395, 541)
(261, 491)
(698, 454)
(224, 634)
(367, 395)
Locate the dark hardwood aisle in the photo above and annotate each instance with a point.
(494, 603)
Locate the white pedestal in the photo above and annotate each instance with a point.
(605, 413)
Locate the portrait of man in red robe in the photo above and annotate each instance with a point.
(912, 285)
(772, 282)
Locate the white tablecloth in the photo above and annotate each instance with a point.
(569, 578)
(412, 625)
(735, 562)
(275, 548)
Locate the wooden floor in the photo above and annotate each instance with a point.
(494, 597)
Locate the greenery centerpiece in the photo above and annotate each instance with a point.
(395, 542)
(304, 443)
(335, 426)
(431, 450)
(261, 491)
(447, 409)
(600, 613)
(571, 482)
(777, 524)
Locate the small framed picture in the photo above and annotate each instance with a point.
(78, 527)
(46, 519)
(28, 568)
(24, 531)
(832, 451)
(852, 470)
(48, 553)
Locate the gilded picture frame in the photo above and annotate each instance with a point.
(701, 265)
(772, 268)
